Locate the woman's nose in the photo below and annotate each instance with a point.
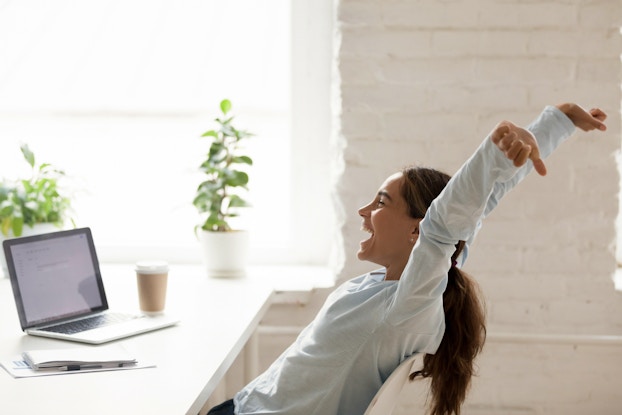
(364, 210)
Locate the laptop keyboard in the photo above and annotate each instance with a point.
(90, 323)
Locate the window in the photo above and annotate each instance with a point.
(117, 93)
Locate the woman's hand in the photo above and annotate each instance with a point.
(518, 145)
(585, 120)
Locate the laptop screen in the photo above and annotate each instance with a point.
(55, 276)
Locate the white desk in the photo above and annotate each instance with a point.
(217, 318)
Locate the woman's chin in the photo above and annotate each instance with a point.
(366, 246)
(363, 252)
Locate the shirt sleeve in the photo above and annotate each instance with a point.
(456, 214)
(551, 128)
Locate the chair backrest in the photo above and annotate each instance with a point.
(386, 398)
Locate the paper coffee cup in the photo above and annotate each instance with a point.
(151, 279)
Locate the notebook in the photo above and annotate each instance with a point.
(57, 285)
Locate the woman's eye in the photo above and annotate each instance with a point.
(380, 203)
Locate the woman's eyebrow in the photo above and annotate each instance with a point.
(383, 193)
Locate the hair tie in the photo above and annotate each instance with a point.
(454, 263)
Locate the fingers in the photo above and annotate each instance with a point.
(598, 114)
(538, 164)
(539, 167)
(518, 145)
(584, 120)
(598, 117)
(518, 151)
(499, 133)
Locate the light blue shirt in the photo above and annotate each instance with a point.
(367, 326)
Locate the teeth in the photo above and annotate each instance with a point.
(366, 229)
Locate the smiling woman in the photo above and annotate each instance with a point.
(393, 231)
(118, 93)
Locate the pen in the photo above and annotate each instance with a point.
(79, 367)
(86, 367)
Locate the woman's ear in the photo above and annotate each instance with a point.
(415, 231)
(416, 227)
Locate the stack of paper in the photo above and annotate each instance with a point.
(103, 357)
(78, 360)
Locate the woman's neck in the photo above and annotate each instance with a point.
(394, 272)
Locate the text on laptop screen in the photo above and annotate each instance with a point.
(51, 272)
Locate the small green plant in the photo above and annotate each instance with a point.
(217, 198)
(34, 200)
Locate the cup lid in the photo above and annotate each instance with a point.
(151, 267)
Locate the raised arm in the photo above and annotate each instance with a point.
(519, 144)
(452, 216)
(535, 143)
(474, 190)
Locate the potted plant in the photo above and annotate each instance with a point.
(218, 197)
(33, 205)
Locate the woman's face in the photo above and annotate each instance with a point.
(392, 231)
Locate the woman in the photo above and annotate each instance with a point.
(420, 224)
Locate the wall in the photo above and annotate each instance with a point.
(424, 81)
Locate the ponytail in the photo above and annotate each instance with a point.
(452, 366)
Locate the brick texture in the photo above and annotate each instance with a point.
(423, 81)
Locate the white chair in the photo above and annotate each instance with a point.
(386, 398)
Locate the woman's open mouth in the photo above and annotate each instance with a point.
(364, 228)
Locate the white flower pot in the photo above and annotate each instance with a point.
(225, 253)
(37, 229)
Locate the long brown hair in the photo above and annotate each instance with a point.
(452, 366)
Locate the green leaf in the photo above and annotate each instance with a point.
(215, 223)
(46, 168)
(236, 201)
(236, 178)
(243, 160)
(28, 188)
(225, 106)
(240, 134)
(6, 208)
(210, 133)
(211, 189)
(17, 226)
(217, 152)
(227, 130)
(28, 155)
(5, 226)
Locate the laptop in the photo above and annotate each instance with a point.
(59, 292)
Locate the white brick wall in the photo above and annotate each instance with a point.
(423, 81)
